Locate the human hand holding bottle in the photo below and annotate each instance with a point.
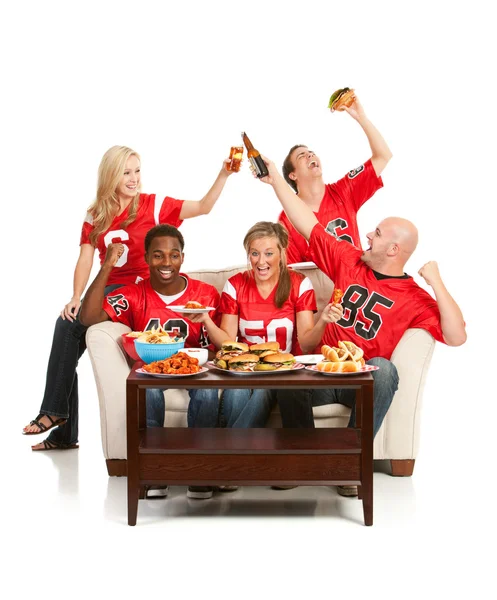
(272, 171)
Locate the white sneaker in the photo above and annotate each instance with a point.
(156, 492)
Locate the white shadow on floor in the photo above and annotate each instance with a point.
(394, 500)
(66, 464)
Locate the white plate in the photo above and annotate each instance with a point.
(296, 367)
(365, 369)
(309, 359)
(303, 266)
(168, 376)
(191, 311)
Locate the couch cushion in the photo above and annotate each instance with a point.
(216, 277)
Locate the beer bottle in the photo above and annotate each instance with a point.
(255, 158)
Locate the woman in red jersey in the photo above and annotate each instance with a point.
(120, 213)
(267, 303)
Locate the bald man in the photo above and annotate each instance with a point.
(380, 303)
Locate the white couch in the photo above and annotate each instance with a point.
(397, 440)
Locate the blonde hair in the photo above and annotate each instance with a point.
(273, 230)
(106, 204)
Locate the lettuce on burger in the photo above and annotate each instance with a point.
(342, 98)
(265, 349)
(243, 362)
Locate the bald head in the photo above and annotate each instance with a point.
(400, 232)
(391, 245)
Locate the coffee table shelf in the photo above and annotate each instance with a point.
(183, 456)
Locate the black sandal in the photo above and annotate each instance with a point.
(43, 428)
(48, 445)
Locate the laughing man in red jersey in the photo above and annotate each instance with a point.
(147, 304)
(334, 204)
(380, 302)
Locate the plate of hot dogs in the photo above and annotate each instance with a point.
(344, 359)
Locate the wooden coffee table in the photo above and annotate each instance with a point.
(184, 456)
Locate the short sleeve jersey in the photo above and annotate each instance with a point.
(259, 319)
(338, 210)
(141, 308)
(131, 266)
(377, 312)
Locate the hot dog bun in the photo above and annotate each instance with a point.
(346, 366)
(334, 354)
(355, 352)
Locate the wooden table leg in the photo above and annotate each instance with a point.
(132, 431)
(367, 452)
(358, 408)
(142, 409)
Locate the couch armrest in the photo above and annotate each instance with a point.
(399, 433)
(111, 368)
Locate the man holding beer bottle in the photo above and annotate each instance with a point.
(335, 204)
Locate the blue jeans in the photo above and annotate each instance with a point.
(296, 405)
(203, 408)
(61, 388)
(247, 408)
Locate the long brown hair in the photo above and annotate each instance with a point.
(106, 205)
(273, 230)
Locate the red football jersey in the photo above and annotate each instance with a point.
(377, 312)
(259, 319)
(141, 308)
(131, 266)
(338, 210)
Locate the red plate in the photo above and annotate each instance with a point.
(365, 369)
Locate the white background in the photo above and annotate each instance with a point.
(178, 82)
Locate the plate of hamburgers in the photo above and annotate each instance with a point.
(238, 358)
